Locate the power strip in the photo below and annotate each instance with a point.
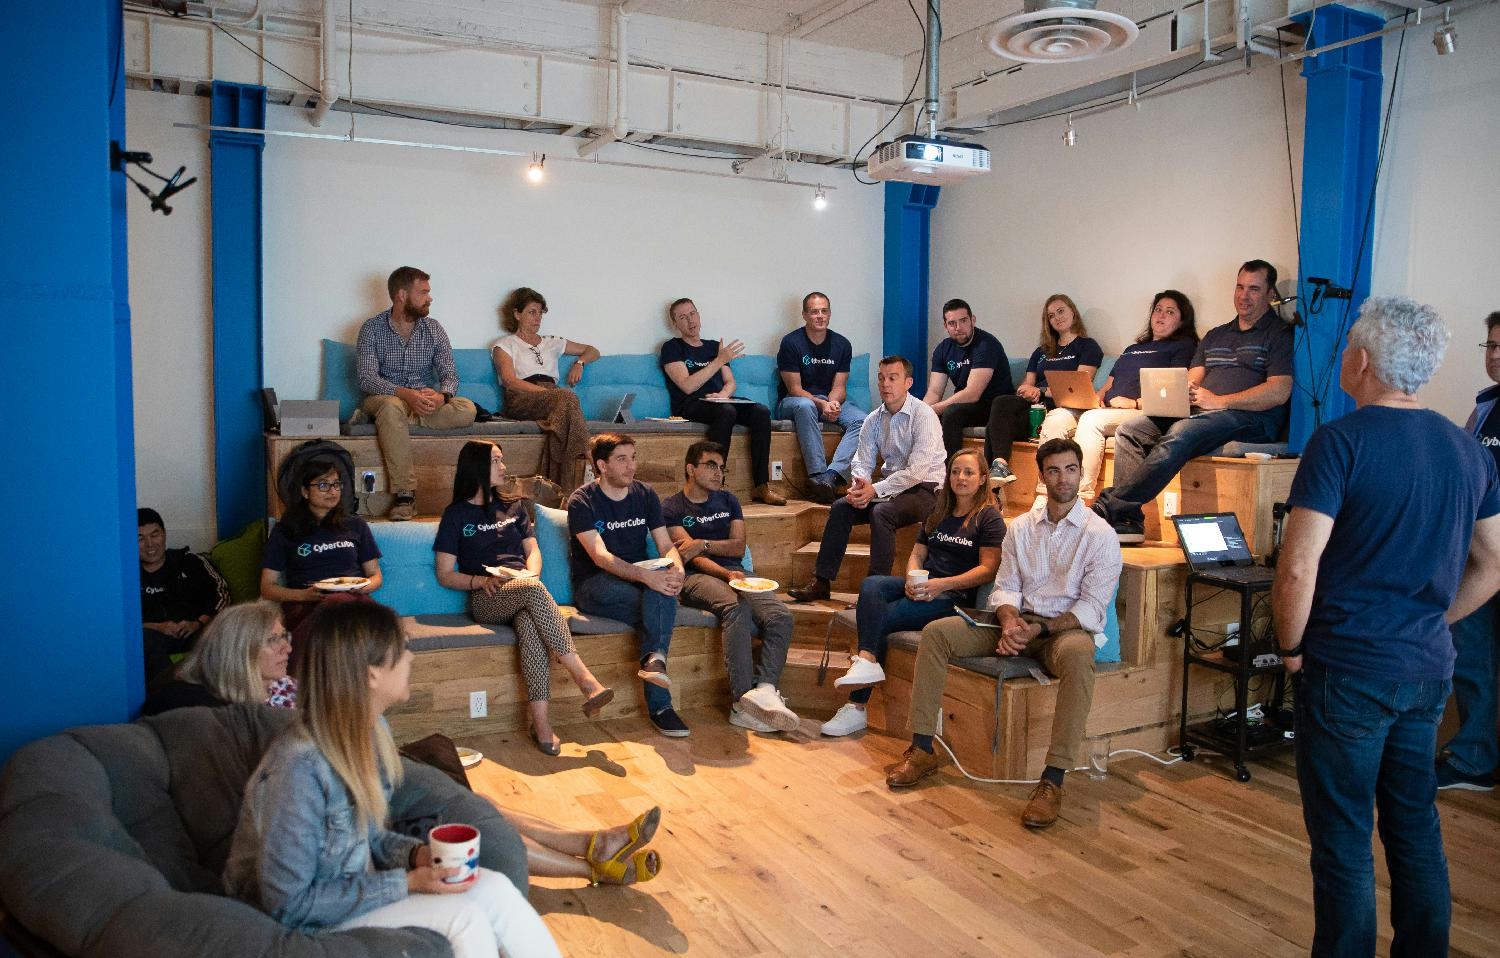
(1266, 659)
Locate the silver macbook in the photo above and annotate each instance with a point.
(1072, 389)
(1164, 392)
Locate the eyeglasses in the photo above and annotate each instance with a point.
(276, 638)
(715, 466)
(323, 485)
(537, 352)
(1489, 347)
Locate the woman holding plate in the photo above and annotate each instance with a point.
(957, 551)
(485, 547)
(318, 552)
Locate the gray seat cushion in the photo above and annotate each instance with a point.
(582, 623)
(1000, 667)
(452, 630)
(500, 427)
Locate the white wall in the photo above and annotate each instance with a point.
(1437, 217)
(608, 246)
(1175, 195)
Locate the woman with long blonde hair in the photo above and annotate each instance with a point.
(312, 848)
(241, 657)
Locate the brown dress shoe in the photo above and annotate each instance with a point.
(812, 592)
(766, 495)
(1045, 804)
(915, 766)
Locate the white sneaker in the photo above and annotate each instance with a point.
(768, 707)
(862, 672)
(742, 718)
(846, 721)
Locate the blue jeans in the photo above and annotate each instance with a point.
(804, 415)
(648, 611)
(1150, 451)
(1474, 751)
(883, 608)
(1365, 744)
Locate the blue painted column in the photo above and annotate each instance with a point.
(1339, 151)
(908, 233)
(71, 652)
(239, 448)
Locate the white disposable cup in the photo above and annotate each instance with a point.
(1099, 758)
(455, 846)
(917, 579)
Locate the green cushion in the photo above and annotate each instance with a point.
(239, 561)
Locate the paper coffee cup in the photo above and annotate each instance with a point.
(455, 846)
(916, 577)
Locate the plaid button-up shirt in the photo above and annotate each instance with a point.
(388, 362)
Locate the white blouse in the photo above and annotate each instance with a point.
(530, 360)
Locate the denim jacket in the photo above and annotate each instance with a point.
(298, 855)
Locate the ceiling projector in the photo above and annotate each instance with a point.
(936, 161)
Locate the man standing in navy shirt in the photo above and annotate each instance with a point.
(610, 521)
(975, 362)
(1377, 559)
(814, 365)
(1473, 752)
(1239, 383)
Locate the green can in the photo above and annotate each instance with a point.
(1038, 413)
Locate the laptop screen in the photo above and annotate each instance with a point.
(1212, 540)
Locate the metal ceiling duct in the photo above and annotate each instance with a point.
(1059, 31)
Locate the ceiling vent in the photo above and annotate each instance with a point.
(1059, 31)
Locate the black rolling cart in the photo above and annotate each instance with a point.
(1234, 740)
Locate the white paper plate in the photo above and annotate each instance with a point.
(754, 584)
(504, 572)
(653, 563)
(469, 756)
(343, 583)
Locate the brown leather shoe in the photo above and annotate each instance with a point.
(915, 766)
(766, 495)
(1045, 804)
(812, 592)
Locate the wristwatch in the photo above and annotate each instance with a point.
(1046, 630)
(1291, 653)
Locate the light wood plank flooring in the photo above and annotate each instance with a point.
(793, 846)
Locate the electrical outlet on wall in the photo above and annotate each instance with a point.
(1169, 505)
(479, 704)
(370, 479)
(776, 475)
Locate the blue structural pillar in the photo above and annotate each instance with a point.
(71, 652)
(239, 451)
(1339, 151)
(908, 232)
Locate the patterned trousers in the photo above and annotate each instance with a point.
(526, 606)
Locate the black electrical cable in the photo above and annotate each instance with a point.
(1286, 124)
(908, 101)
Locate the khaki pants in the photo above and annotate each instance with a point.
(1067, 655)
(393, 421)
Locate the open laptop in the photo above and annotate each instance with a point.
(623, 413)
(1164, 392)
(1215, 544)
(1072, 389)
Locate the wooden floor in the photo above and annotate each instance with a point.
(793, 846)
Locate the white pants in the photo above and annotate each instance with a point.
(491, 918)
(1059, 424)
(1093, 426)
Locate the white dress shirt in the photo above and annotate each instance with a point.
(1048, 568)
(909, 442)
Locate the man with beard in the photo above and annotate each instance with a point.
(975, 362)
(407, 374)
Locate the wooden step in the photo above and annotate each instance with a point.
(811, 620)
(852, 570)
(799, 683)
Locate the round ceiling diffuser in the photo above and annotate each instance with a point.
(1059, 31)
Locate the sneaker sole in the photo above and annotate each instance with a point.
(674, 733)
(658, 679)
(778, 720)
(740, 720)
(828, 734)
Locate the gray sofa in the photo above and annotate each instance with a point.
(113, 838)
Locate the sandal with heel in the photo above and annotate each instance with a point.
(612, 870)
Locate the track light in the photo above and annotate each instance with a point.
(1070, 138)
(535, 172)
(820, 201)
(1445, 37)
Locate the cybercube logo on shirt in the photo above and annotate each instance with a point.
(815, 361)
(688, 522)
(622, 524)
(598, 525)
(468, 530)
(305, 549)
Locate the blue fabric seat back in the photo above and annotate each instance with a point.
(341, 377)
(755, 378)
(606, 381)
(409, 584)
(477, 379)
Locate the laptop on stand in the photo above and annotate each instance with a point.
(1215, 544)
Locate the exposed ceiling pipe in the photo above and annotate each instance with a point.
(934, 37)
(328, 94)
(621, 128)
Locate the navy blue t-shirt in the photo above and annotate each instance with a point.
(694, 358)
(1399, 541)
(1082, 351)
(983, 351)
(709, 519)
(817, 364)
(953, 549)
(485, 535)
(1488, 431)
(1157, 354)
(1235, 360)
(324, 554)
(625, 526)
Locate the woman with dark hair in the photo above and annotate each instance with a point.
(1170, 339)
(958, 546)
(317, 552)
(485, 547)
(526, 363)
(241, 657)
(701, 386)
(313, 848)
(1065, 346)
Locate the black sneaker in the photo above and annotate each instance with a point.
(1450, 777)
(1130, 533)
(669, 723)
(1000, 474)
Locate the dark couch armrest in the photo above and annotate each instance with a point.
(427, 798)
